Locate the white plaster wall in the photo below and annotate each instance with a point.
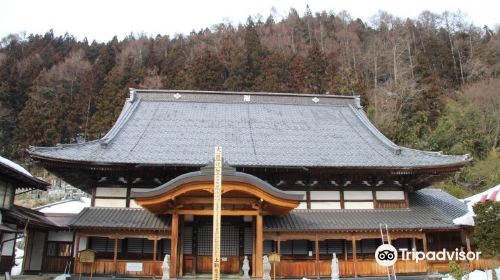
(111, 202)
(8, 246)
(60, 236)
(390, 195)
(325, 195)
(82, 246)
(134, 204)
(358, 195)
(112, 192)
(302, 205)
(358, 205)
(325, 205)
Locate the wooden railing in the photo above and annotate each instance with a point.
(310, 268)
(293, 268)
(55, 264)
(107, 267)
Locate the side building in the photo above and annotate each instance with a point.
(305, 176)
(17, 221)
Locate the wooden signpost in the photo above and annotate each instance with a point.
(274, 258)
(217, 213)
(87, 256)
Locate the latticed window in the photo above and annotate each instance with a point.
(268, 247)
(140, 245)
(248, 241)
(229, 240)
(59, 249)
(331, 246)
(165, 245)
(187, 240)
(104, 244)
(294, 247)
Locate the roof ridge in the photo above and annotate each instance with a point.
(375, 132)
(134, 91)
(127, 111)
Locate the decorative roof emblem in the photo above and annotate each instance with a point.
(177, 95)
(246, 98)
(315, 100)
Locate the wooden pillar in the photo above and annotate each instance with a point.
(316, 249)
(194, 247)
(424, 246)
(414, 243)
(115, 254)
(180, 250)
(173, 245)
(27, 251)
(13, 253)
(407, 200)
(354, 258)
(424, 241)
(342, 204)
(467, 242)
(278, 242)
(254, 242)
(155, 248)
(258, 247)
(345, 250)
(76, 255)
(278, 246)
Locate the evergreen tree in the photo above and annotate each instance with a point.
(207, 72)
(297, 73)
(246, 65)
(315, 68)
(487, 227)
(113, 94)
(273, 74)
(54, 111)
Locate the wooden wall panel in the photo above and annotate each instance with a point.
(6, 263)
(308, 268)
(231, 266)
(391, 204)
(55, 264)
(107, 267)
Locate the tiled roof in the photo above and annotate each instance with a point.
(429, 209)
(21, 216)
(279, 130)
(22, 179)
(120, 219)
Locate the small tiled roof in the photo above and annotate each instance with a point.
(120, 219)
(34, 219)
(22, 178)
(254, 129)
(429, 209)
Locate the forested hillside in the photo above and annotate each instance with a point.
(430, 83)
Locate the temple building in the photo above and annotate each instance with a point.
(304, 176)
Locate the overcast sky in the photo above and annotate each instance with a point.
(102, 19)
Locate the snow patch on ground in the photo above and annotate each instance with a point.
(16, 269)
(62, 277)
(468, 218)
(477, 275)
(15, 166)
